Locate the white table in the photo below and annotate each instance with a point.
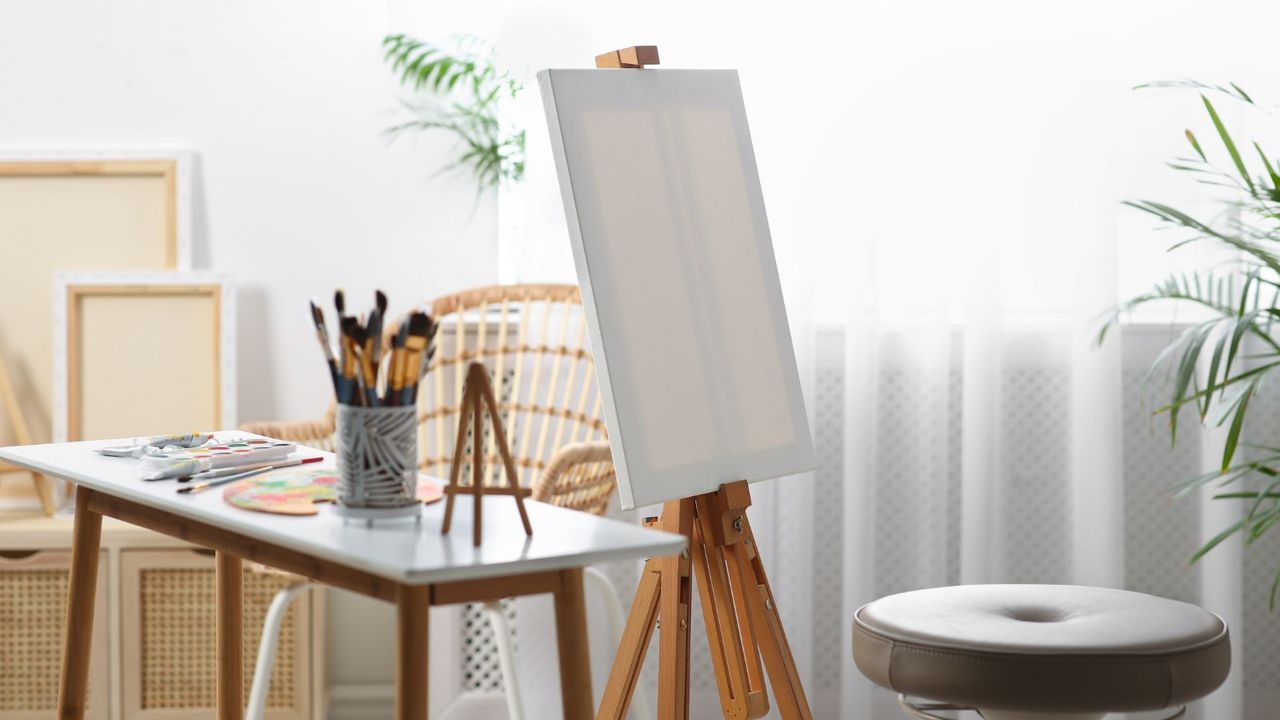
(407, 562)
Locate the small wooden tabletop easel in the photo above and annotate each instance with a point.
(9, 399)
(477, 396)
(742, 621)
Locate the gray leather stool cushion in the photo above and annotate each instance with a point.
(1042, 648)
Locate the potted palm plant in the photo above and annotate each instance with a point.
(1219, 364)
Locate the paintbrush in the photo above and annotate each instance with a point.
(428, 356)
(345, 358)
(354, 337)
(415, 349)
(375, 333)
(322, 334)
(395, 372)
(248, 473)
(369, 357)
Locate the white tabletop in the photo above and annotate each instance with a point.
(402, 550)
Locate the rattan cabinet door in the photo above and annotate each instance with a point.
(168, 643)
(33, 601)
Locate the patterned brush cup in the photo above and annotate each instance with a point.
(377, 457)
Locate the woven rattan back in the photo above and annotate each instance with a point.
(533, 340)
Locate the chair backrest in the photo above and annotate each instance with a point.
(533, 339)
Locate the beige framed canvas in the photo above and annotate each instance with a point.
(80, 210)
(142, 354)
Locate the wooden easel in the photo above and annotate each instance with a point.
(19, 423)
(741, 616)
(743, 625)
(477, 395)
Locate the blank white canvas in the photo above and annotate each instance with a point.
(672, 245)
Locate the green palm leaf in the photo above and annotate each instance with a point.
(458, 91)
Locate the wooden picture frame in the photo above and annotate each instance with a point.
(172, 168)
(166, 318)
(81, 210)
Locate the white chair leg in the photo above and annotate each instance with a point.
(267, 648)
(506, 657)
(613, 606)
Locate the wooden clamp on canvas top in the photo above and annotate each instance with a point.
(636, 56)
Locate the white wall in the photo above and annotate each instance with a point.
(297, 190)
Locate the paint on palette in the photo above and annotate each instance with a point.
(300, 492)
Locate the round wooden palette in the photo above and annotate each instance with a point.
(298, 492)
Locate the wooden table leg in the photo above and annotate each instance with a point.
(82, 589)
(229, 573)
(571, 642)
(413, 606)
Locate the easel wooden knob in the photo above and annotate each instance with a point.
(636, 56)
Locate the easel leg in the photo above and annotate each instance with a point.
(633, 646)
(81, 593)
(229, 573)
(674, 599)
(412, 638)
(788, 691)
(571, 643)
(44, 490)
(735, 658)
(741, 617)
(17, 421)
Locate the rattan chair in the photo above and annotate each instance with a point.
(533, 340)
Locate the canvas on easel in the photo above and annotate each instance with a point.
(678, 277)
(694, 356)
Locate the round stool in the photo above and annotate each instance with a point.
(1040, 652)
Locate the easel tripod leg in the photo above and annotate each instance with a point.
(674, 600)
(633, 646)
(81, 592)
(724, 639)
(788, 691)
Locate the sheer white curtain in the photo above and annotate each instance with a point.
(984, 438)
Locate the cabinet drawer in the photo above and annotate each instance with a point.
(33, 601)
(169, 645)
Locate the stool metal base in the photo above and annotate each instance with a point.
(925, 710)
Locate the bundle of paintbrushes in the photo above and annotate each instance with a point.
(365, 372)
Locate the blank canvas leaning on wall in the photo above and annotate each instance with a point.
(143, 354)
(81, 210)
(673, 250)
